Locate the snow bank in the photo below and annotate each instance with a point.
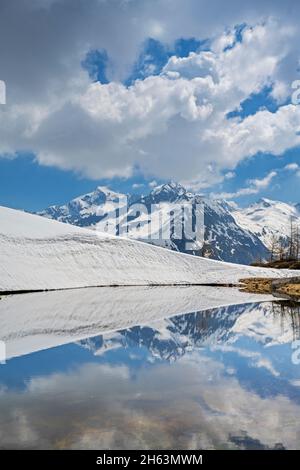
(40, 254)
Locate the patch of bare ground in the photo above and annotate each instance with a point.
(290, 289)
(259, 285)
(278, 264)
(286, 287)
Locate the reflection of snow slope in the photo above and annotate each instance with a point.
(217, 328)
(38, 253)
(170, 338)
(31, 322)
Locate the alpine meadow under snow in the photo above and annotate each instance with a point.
(40, 254)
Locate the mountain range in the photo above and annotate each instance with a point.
(232, 234)
(37, 253)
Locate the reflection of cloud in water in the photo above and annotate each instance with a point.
(189, 404)
(256, 359)
(214, 379)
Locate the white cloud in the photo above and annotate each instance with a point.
(229, 175)
(255, 186)
(292, 167)
(263, 183)
(172, 125)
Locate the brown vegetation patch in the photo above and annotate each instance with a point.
(268, 286)
(259, 285)
(279, 264)
(290, 289)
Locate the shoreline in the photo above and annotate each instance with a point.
(287, 287)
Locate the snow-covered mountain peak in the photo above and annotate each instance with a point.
(169, 192)
(112, 195)
(265, 202)
(101, 195)
(267, 218)
(88, 209)
(231, 233)
(226, 240)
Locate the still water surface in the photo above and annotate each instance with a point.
(223, 378)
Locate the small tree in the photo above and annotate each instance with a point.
(282, 249)
(207, 250)
(296, 242)
(291, 239)
(274, 247)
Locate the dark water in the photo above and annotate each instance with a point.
(226, 378)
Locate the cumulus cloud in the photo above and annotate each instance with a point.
(137, 185)
(229, 175)
(259, 184)
(254, 187)
(171, 125)
(292, 167)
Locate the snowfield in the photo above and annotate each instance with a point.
(40, 254)
(267, 218)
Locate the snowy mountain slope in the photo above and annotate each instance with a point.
(37, 254)
(267, 218)
(225, 239)
(32, 322)
(86, 210)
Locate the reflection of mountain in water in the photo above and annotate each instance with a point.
(289, 311)
(169, 339)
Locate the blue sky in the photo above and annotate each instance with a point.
(179, 137)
